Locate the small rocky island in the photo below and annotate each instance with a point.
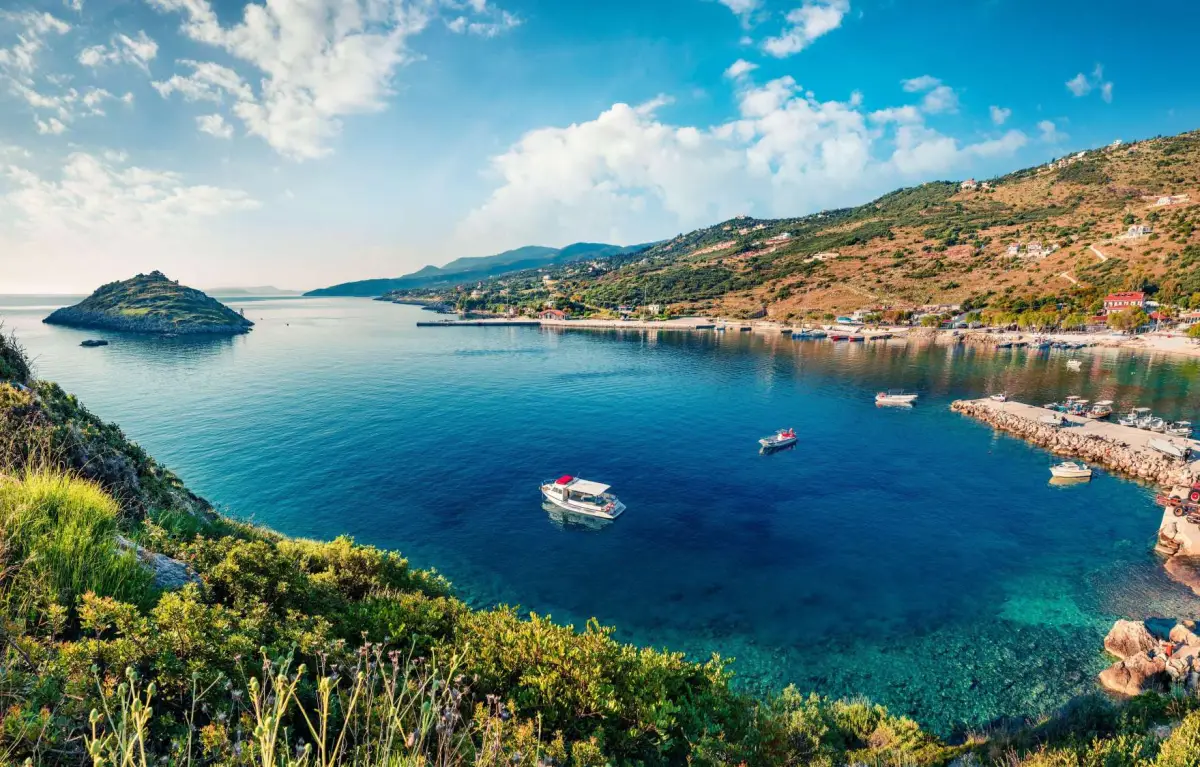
(151, 303)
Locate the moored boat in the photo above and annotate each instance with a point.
(582, 496)
(780, 439)
(1071, 470)
(895, 397)
(1102, 409)
(1180, 428)
(1171, 449)
(1134, 417)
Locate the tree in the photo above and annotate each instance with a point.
(930, 321)
(1194, 332)
(1127, 320)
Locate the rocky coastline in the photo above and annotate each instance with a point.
(1110, 453)
(1154, 655)
(81, 318)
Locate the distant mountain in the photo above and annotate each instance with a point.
(151, 303)
(475, 268)
(257, 292)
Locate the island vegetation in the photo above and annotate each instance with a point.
(152, 303)
(140, 627)
(1037, 248)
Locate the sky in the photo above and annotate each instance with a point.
(301, 143)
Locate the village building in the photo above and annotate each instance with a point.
(1119, 302)
(969, 184)
(1014, 249)
(1136, 231)
(552, 314)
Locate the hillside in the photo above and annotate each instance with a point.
(477, 268)
(1053, 237)
(151, 303)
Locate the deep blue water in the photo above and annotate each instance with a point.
(912, 556)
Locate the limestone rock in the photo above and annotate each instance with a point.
(1184, 633)
(169, 574)
(1128, 638)
(1136, 674)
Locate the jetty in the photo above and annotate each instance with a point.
(1121, 449)
(480, 323)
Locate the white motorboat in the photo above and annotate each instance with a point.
(1102, 409)
(1071, 470)
(1134, 417)
(895, 397)
(780, 439)
(1156, 424)
(1170, 448)
(1180, 429)
(582, 496)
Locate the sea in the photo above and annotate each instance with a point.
(910, 556)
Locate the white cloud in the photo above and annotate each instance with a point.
(74, 5)
(99, 194)
(1000, 115)
(487, 21)
(920, 84)
(1050, 132)
(122, 49)
(320, 60)
(939, 98)
(18, 60)
(51, 126)
(740, 68)
(805, 24)
(741, 8)
(1081, 85)
(214, 125)
(621, 175)
(207, 82)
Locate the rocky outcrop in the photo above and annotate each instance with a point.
(1095, 448)
(169, 574)
(1155, 655)
(81, 318)
(1128, 638)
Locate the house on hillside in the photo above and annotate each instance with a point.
(552, 314)
(1014, 249)
(1136, 231)
(654, 309)
(1118, 302)
(1171, 199)
(1189, 318)
(969, 184)
(782, 237)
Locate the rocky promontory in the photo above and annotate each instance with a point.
(152, 303)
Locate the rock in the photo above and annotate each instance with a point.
(1128, 638)
(1136, 675)
(169, 574)
(1184, 633)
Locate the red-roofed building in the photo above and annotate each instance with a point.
(553, 314)
(1119, 302)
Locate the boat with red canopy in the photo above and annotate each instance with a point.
(582, 496)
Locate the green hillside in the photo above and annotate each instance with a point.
(151, 303)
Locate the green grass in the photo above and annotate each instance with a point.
(60, 541)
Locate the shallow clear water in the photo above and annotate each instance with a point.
(912, 556)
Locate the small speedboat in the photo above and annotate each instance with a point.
(895, 397)
(92, 343)
(1156, 424)
(582, 496)
(1180, 429)
(1071, 470)
(780, 439)
(1102, 409)
(1135, 417)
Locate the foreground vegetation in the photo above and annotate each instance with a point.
(292, 652)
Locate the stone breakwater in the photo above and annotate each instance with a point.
(81, 318)
(1109, 451)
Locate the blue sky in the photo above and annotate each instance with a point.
(303, 143)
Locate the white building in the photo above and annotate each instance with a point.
(1014, 249)
(969, 184)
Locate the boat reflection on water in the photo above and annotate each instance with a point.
(1069, 481)
(570, 520)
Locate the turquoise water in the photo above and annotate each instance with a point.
(912, 556)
